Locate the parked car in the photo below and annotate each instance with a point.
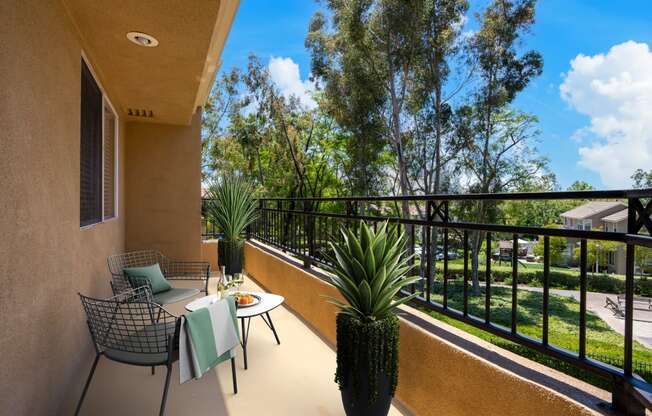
(452, 255)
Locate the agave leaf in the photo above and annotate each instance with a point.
(391, 290)
(396, 304)
(365, 296)
(370, 263)
(365, 236)
(359, 273)
(343, 259)
(378, 247)
(346, 288)
(378, 281)
(348, 309)
(354, 246)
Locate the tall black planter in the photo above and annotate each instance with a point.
(367, 364)
(357, 402)
(231, 256)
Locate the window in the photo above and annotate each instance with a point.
(110, 130)
(97, 161)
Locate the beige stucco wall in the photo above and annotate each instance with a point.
(436, 377)
(209, 253)
(163, 188)
(45, 258)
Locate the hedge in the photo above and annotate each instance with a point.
(602, 283)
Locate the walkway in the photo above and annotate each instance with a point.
(595, 303)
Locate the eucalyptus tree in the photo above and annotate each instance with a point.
(352, 95)
(431, 103)
(221, 103)
(497, 152)
(367, 58)
(642, 179)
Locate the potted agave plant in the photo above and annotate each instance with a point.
(232, 209)
(369, 269)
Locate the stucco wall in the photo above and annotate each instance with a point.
(163, 188)
(436, 377)
(209, 253)
(45, 258)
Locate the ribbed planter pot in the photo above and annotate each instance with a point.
(231, 256)
(367, 364)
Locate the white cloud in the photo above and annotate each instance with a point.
(285, 74)
(615, 91)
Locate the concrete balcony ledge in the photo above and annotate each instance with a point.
(442, 370)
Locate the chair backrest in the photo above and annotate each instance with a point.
(118, 262)
(130, 322)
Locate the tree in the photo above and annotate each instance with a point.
(220, 104)
(351, 96)
(597, 253)
(433, 145)
(642, 258)
(268, 136)
(497, 154)
(642, 179)
(531, 212)
(373, 49)
(557, 247)
(580, 186)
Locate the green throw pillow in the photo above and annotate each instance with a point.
(152, 273)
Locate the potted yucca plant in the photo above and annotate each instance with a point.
(232, 208)
(369, 269)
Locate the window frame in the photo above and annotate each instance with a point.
(106, 102)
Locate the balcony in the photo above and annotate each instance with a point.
(461, 354)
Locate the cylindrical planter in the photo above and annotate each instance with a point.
(231, 256)
(367, 364)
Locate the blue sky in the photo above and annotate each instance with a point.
(597, 127)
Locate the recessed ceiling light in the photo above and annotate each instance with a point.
(142, 39)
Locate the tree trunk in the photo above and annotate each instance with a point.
(476, 244)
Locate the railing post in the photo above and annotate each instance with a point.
(427, 243)
(622, 398)
(309, 233)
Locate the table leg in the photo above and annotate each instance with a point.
(245, 336)
(270, 324)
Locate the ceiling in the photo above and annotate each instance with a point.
(170, 80)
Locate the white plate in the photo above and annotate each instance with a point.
(254, 303)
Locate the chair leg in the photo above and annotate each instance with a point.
(153, 370)
(235, 379)
(88, 382)
(165, 391)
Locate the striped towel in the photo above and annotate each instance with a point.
(208, 337)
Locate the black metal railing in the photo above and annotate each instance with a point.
(304, 226)
(209, 231)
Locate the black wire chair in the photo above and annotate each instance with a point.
(172, 270)
(132, 329)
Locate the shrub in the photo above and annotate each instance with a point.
(605, 284)
(602, 283)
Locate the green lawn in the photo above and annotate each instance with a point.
(602, 342)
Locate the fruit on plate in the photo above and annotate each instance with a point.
(244, 299)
